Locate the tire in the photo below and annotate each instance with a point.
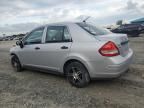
(16, 63)
(77, 74)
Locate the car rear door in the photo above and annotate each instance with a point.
(56, 48)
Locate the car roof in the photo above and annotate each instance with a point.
(59, 23)
(75, 29)
(62, 23)
(56, 24)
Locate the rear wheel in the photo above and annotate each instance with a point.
(16, 63)
(77, 74)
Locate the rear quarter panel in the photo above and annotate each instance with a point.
(87, 53)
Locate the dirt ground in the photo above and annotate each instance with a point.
(31, 89)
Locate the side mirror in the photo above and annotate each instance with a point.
(20, 43)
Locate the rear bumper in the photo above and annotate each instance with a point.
(114, 67)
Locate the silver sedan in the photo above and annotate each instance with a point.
(80, 51)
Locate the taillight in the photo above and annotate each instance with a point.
(109, 49)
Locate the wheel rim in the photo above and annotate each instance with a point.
(75, 75)
(14, 63)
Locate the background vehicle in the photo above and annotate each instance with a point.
(78, 50)
(130, 29)
(1, 38)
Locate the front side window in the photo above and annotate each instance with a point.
(34, 37)
(57, 34)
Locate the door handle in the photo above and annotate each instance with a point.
(64, 47)
(37, 48)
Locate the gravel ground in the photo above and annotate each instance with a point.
(32, 89)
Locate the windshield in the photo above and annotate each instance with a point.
(93, 29)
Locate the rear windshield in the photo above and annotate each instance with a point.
(93, 29)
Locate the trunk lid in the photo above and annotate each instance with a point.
(121, 40)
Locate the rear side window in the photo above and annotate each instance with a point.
(93, 29)
(66, 34)
(57, 34)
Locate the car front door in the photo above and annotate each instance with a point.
(30, 53)
(56, 48)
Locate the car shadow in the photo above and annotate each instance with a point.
(105, 82)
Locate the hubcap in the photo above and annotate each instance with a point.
(76, 74)
(15, 64)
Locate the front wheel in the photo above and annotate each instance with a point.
(16, 63)
(77, 74)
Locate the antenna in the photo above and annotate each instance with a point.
(86, 19)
